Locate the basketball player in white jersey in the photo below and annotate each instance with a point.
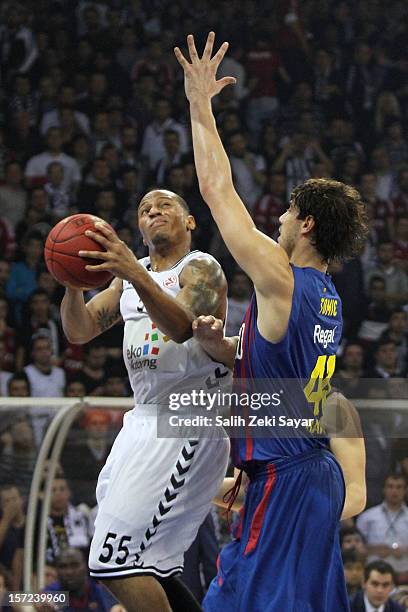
(153, 493)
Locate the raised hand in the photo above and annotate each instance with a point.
(200, 80)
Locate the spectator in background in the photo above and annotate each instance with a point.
(129, 195)
(271, 205)
(328, 83)
(381, 210)
(379, 582)
(24, 140)
(248, 169)
(401, 242)
(84, 593)
(18, 49)
(6, 585)
(172, 156)
(54, 117)
(200, 559)
(81, 152)
(93, 372)
(59, 199)
(353, 563)
(363, 80)
(385, 361)
(37, 219)
(67, 525)
(105, 206)
(240, 288)
(85, 453)
(153, 140)
(46, 379)
(18, 385)
(387, 109)
(297, 159)
(18, 455)
(264, 67)
(4, 275)
(395, 144)
(7, 335)
(130, 150)
(38, 321)
(13, 197)
(351, 538)
(96, 98)
(348, 376)
(36, 169)
(385, 527)
(341, 142)
(397, 334)
(400, 201)
(12, 525)
(23, 274)
(8, 243)
(98, 178)
(396, 281)
(154, 63)
(383, 172)
(101, 132)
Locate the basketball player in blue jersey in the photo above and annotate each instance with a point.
(286, 555)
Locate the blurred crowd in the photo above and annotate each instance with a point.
(93, 115)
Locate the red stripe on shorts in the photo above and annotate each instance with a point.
(259, 514)
(218, 571)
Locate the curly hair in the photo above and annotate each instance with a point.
(340, 217)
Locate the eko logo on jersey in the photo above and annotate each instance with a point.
(323, 336)
(145, 356)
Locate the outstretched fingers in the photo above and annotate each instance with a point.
(219, 56)
(180, 58)
(192, 49)
(209, 46)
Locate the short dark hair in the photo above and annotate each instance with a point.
(340, 217)
(395, 475)
(382, 567)
(179, 199)
(16, 377)
(346, 531)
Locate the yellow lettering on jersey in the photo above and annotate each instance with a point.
(328, 306)
(319, 386)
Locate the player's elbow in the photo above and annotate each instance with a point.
(74, 338)
(214, 191)
(357, 500)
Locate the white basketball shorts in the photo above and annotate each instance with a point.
(153, 494)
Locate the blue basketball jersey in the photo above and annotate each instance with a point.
(298, 368)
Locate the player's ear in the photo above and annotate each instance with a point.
(190, 223)
(308, 224)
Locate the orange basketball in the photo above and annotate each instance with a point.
(61, 252)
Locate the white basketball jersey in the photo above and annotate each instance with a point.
(156, 365)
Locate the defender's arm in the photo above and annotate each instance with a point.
(259, 256)
(342, 423)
